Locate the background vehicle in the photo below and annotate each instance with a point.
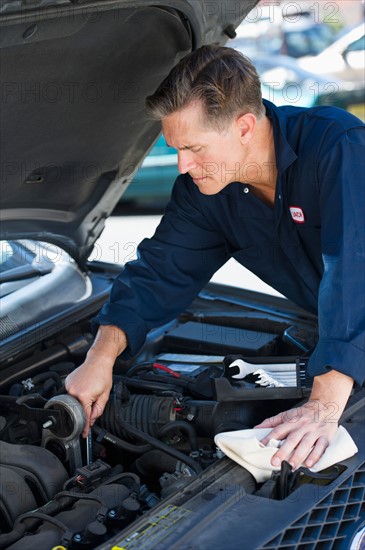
(285, 82)
(285, 29)
(153, 182)
(345, 60)
(74, 79)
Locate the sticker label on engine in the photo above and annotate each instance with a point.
(154, 531)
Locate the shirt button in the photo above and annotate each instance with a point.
(246, 190)
(279, 197)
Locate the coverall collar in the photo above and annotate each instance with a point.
(285, 155)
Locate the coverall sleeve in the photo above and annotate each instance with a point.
(171, 268)
(341, 302)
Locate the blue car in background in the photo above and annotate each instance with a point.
(152, 184)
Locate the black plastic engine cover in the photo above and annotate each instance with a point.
(204, 338)
(29, 477)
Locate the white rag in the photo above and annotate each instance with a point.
(245, 448)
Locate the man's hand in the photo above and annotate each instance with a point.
(92, 381)
(308, 430)
(91, 384)
(311, 426)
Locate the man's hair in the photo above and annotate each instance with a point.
(222, 79)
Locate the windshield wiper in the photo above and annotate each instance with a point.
(24, 272)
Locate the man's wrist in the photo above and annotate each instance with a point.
(110, 342)
(332, 389)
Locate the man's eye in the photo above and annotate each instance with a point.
(196, 150)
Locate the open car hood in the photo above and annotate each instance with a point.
(74, 127)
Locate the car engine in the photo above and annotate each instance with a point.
(156, 434)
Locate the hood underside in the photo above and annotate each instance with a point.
(74, 126)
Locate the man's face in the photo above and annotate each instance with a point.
(213, 159)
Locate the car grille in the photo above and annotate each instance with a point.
(331, 523)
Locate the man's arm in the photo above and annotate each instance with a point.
(338, 358)
(170, 270)
(91, 382)
(308, 429)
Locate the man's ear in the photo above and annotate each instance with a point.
(246, 125)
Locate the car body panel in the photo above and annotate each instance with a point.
(75, 115)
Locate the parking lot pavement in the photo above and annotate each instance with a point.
(120, 238)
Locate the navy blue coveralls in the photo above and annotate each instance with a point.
(309, 247)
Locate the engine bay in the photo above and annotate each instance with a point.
(156, 434)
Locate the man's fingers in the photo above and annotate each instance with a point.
(294, 449)
(92, 412)
(318, 450)
(307, 450)
(87, 412)
(287, 449)
(271, 422)
(280, 431)
(304, 433)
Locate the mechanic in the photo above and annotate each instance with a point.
(280, 189)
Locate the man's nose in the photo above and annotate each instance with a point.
(185, 161)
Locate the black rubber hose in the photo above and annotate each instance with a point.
(43, 376)
(156, 462)
(139, 434)
(184, 427)
(134, 368)
(27, 367)
(120, 443)
(159, 445)
(51, 356)
(149, 367)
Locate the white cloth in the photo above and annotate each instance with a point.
(245, 448)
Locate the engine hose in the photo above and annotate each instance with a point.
(43, 517)
(103, 435)
(78, 496)
(159, 445)
(149, 368)
(155, 462)
(142, 416)
(134, 368)
(42, 377)
(184, 427)
(148, 413)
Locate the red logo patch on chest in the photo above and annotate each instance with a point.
(297, 214)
